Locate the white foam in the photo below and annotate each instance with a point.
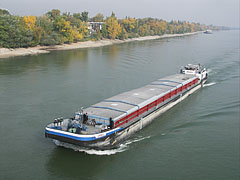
(209, 70)
(209, 84)
(122, 147)
(212, 72)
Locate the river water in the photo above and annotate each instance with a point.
(197, 139)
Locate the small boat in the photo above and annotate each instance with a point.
(208, 31)
(106, 124)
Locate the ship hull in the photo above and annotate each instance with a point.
(112, 140)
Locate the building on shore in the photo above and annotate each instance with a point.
(94, 26)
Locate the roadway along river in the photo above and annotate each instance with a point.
(197, 139)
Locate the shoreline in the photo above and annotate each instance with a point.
(6, 53)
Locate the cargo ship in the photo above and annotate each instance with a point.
(106, 124)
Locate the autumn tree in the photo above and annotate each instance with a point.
(76, 35)
(163, 26)
(123, 35)
(129, 24)
(56, 28)
(29, 22)
(113, 27)
(83, 29)
(144, 30)
(63, 27)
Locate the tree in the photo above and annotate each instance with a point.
(76, 35)
(77, 16)
(54, 28)
(192, 27)
(84, 16)
(144, 30)
(52, 39)
(113, 27)
(13, 33)
(170, 29)
(63, 27)
(123, 35)
(98, 18)
(4, 12)
(46, 24)
(83, 29)
(129, 24)
(75, 20)
(104, 31)
(29, 22)
(99, 33)
(113, 15)
(37, 34)
(54, 13)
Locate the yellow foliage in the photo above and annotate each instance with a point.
(113, 27)
(76, 35)
(141, 31)
(129, 24)
(83, 29)
(29, 22)
(163, 26)
(192, 27)
(178, 27)
(170, 29)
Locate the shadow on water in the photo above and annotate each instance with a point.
(41, 62)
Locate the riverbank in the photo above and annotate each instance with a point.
(5, 53)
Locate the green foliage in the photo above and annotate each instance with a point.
(13, 33)
(77, 16)
(51, 39)
(104, 31)
(84, 16)
(94, 36)
(98, 18)
(123, 35)
(55, 28)
(4, 12)
(99, 34)
(55, 13)
(45, 23)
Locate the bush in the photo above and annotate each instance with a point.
(52, 39)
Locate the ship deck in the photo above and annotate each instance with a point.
(130, 101)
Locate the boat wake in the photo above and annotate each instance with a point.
(122, 147)
(210, 71)
(209, 84)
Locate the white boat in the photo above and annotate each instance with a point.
(208, 31)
